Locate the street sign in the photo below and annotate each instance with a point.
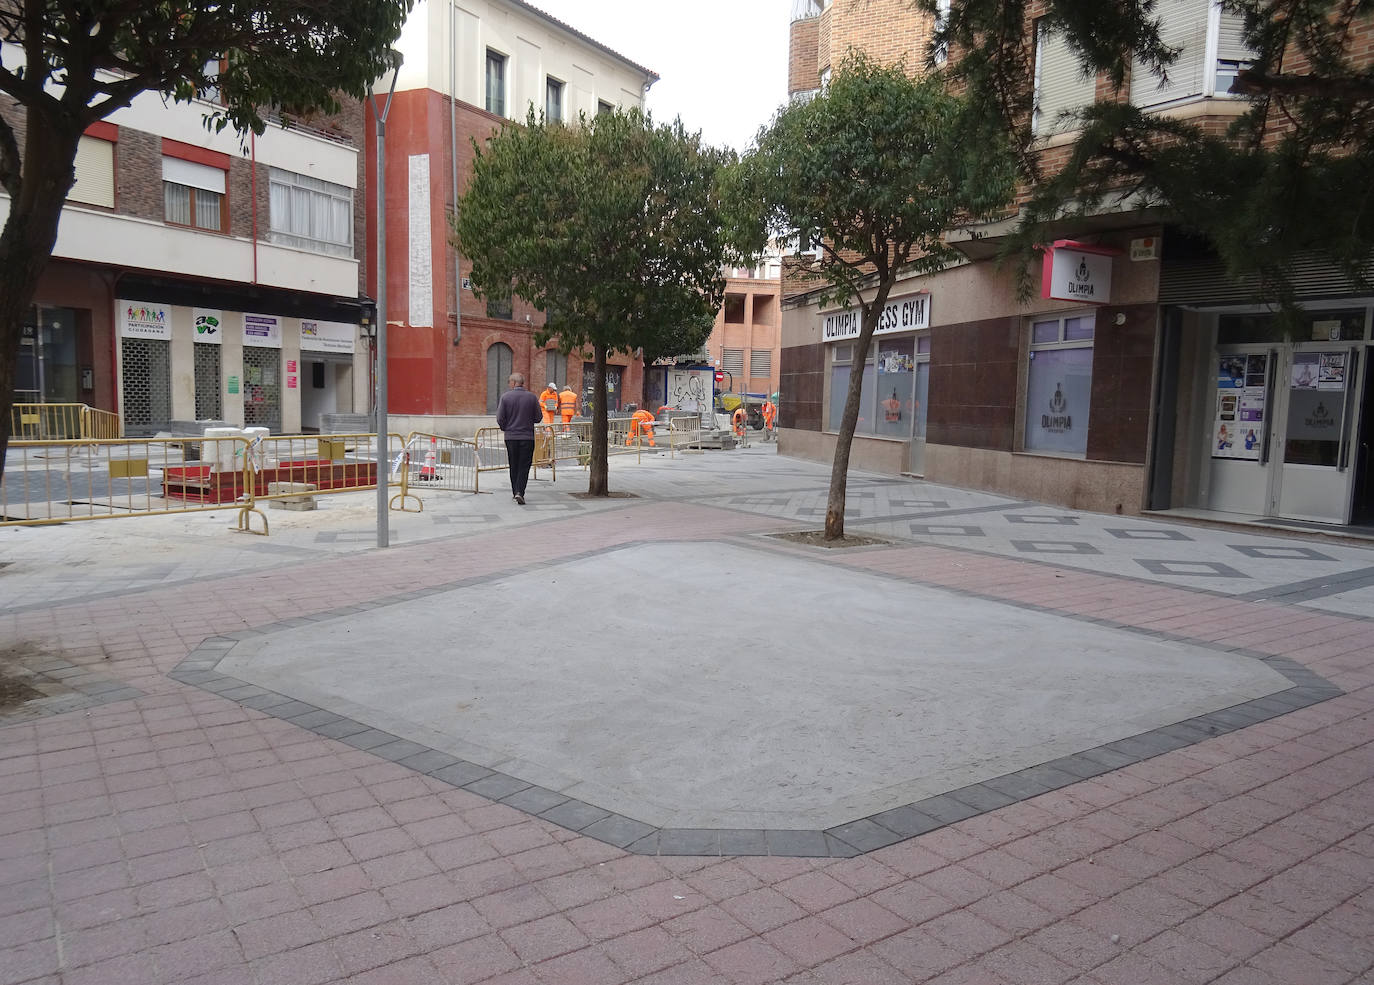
(720, 377)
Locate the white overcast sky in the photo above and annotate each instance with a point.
(722, 63)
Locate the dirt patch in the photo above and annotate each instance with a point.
(612, 495)
(14, 692)
(816, 538)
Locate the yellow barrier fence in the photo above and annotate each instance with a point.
(62, 481)
(62, 422)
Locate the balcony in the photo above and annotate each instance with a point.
(806, 9)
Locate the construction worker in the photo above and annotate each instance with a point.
(770, 414)
(567, 405)
(548, 402)
(737, 419)
(641, 423)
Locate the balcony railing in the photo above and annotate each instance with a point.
(806, 9)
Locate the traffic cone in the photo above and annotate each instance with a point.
(430, 470)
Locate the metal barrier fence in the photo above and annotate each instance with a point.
(433, 461)
(62, 481)
(62, 422)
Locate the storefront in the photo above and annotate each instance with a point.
(896, 374)
(328, 350)
(1280, 418)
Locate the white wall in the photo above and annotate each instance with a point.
(535, 49)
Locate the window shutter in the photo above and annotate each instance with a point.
(732, 361)
(193, 175)
(94, 173)
(1059, 82)
(760, 363)
(1231, 46)
(1182, 24)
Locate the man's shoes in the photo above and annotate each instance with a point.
(520, 499)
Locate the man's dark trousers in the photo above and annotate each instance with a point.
(520, 454)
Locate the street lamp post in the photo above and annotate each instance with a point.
(383, 513)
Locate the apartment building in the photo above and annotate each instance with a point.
(1141, 378)
(471, 67)
(197, 276)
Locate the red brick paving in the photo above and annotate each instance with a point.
(180, 838)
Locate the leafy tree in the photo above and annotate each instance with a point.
(613, 225)
(68, 64)
(878, 167)
(1293, 175)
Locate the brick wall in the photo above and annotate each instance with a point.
(973, 377)
(888, 31)
(802, 383)
(138, 175)
(803, 72)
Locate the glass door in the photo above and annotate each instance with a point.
(920, 403)
(1317, 418)
(1240, 416)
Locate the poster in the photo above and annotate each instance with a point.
(1305, 371)
(1238, 421)
(1331, 371)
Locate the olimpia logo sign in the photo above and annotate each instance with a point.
(1080, 272)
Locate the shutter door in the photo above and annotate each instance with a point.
(94, 173)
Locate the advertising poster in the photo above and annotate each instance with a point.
(1331, 371)
(1238, 425)
(1305, 371)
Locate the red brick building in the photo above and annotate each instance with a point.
(468, 71)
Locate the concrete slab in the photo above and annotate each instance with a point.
(859, 694)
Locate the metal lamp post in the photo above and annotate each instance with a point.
(383, 513)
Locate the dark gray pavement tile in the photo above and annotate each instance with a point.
(907, 821)
(619, 831)
(496, 786)
(534, 800)
(802, 844)
(460, 773)
(864, 835)
(743, 841)
(574, 814)
(689, 841)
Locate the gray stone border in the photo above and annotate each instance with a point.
(846, 840)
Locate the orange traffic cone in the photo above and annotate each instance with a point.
(430, 470)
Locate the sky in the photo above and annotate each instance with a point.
(722, 63)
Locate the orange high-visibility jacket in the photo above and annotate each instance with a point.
(549, 401)
(769, 412)
(567, 404)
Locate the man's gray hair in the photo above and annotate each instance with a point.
(516, 379)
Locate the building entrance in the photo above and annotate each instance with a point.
(1362, 455)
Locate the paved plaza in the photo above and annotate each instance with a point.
(646, 740)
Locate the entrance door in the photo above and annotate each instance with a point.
(1317, 419)
(1241, 435)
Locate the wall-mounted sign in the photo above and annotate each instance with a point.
(144, 320)
(905, 314)
(1077, 272)
(1145, 248)
(208, 325)
(328, 336)
(262, 330)
(232, 384)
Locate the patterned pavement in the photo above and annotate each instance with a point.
(152, 831)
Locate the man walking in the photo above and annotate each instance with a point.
(516, 415)
(549, 401)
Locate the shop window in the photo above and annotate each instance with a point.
(1061, 86)
(1059, 379)
(888, 400)
(553, 100)
(310, 213)
(496, 83)
(193, 194)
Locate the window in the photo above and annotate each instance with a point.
(941, 53)
(499, 308)
(887, 402)
(1189, 25)
(734, 309)
(604, 107)
(500, 362)
(496, 83)
(732, 361)
(211, 92)
(760, 364)
(1060, 85)
(553, 100)
(193, 194)
(310, 213)
(825, 78)
(1059, 384)
(555, 367)
(95, 183)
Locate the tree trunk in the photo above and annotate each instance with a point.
(27, 242)
(839, 471)
(598, 483)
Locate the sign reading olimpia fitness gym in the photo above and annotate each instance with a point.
(905, 314)
(144, 320)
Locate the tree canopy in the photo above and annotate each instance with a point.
(876, 169)
(614, 226)
(64, 66)
(1294, 175)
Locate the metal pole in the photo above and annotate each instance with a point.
(383, 514)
